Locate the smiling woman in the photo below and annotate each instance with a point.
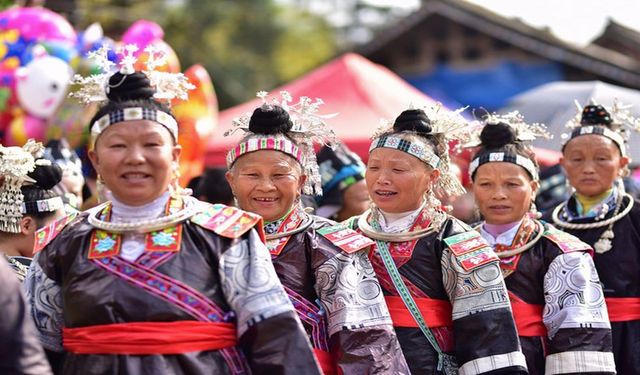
(322, 265)
(121, 266)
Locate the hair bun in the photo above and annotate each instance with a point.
(494, 136)
(414, 120)
(595, 114)
(124, 87)
(271, 119)
(46, 176)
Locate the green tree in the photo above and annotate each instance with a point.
(247, 45)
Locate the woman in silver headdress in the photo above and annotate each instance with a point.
(602, 214)
(441, 280)
(323, 266)
(556, 297)
(27, 202)
(154, 281)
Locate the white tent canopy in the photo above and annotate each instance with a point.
(553, 104)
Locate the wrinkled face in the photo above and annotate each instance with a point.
(266, 182)
(398, 181)
(503, 192)
(135, 160)
(592, 163)
(355, 201)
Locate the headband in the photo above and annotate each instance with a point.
(599, 130)
(43, 205)
(417, 149)
(132, 114)
(505, 157)
(257, 143)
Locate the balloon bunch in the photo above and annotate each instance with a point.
(36, 49)
(39, 53)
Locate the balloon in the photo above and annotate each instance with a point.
(42, 85)
(70, 122)
(142, 33)
(36, 24)
(24, 127)
(172, 65)
(196, 121)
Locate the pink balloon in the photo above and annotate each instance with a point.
(142, 33)
(24, 127)
(37, 24)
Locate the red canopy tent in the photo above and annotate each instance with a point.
(357, 90)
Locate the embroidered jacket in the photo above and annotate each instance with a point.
(557, 301)
(620, 278)
(454, 277)
(327, 275)
(213, 268)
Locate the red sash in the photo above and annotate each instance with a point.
(623, 309)
(528, 318)
(437, 313)
(326, 362)
(142, 338)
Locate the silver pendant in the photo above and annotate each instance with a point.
(604, 243)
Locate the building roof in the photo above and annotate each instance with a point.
(600, 61)
(620, 33)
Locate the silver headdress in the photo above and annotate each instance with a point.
(308, 128)
(95, 88)
(616, 123)
(15, 165)
(446, 127)
(523, 132)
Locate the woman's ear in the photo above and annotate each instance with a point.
(301, 181)
(28, 225)
(229, 177)
(433, 177)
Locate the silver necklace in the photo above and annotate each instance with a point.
(604, 242)
(371, 232)
(142, 226)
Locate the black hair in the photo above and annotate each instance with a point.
(46, 177)
(595, 114)
(127, 91)
(213, 187)
(417, 123)
(270, 119)
(501, 137)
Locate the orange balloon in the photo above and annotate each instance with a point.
(197, 118)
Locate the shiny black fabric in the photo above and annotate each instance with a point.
(619, 271)
(92, 296)
(474, 336)
(20, 351)
(356, 350)
(527, 283)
